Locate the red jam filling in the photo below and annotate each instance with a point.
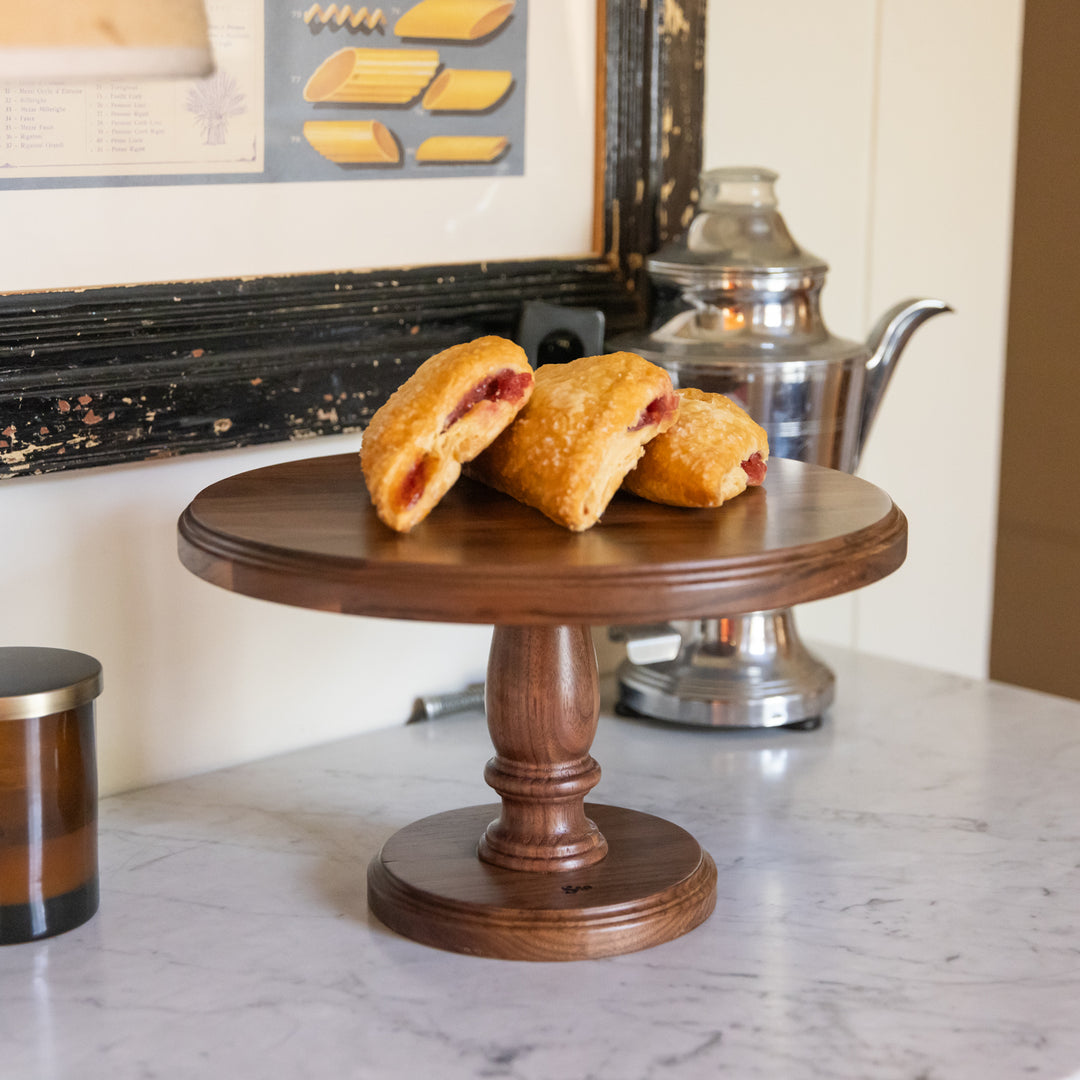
(658, 410)
(412, 487)
(755, 469)
(506, 385)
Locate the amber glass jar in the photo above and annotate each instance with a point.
(48, 792)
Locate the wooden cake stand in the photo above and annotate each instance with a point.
(543, 876)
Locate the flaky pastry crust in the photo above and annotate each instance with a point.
(582, 431)
(705, 458)
(444, 414)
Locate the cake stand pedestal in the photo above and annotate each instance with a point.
(543, 874)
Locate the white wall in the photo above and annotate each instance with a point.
(892, 124)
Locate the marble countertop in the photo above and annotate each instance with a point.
(899, 896)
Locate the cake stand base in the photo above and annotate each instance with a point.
(654, 884)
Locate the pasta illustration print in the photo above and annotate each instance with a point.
(460, 20)
(353, 142)
(409, 92)
(462, 148)
(372, 76)
(361, 18)
(458, 90)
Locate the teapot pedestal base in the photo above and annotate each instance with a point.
(746, 671)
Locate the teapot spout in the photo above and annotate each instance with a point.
(885, 343)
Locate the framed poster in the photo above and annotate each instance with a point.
(256, 337)
(441, 105)
(256, 171)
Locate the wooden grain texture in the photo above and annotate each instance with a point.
(543, 703)
(99, 376)
(304, 533)
(655, 884)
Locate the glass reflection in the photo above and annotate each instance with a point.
(35, 827)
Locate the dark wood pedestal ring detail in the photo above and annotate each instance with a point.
(654, 884)
(543, 874)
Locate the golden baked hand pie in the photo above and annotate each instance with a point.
(444, 414)
(581, 432)
(712, 453)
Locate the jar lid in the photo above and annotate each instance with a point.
(737, 239)
(40, 682)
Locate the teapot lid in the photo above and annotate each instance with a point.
(736, 237)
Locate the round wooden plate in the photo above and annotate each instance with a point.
(305, 533)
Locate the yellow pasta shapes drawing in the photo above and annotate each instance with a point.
(360, 18)
(456, 20)
(461, 90)
(372, 76)
(462, 148)
(353, 142)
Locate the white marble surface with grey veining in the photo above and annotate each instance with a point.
(899, 897)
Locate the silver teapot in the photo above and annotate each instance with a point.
(740, 314)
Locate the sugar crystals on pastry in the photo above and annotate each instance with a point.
(712, 453)
(581, 432)
(444, 414)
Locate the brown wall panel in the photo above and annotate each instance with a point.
(1036, 630)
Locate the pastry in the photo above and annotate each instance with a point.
(444, 414)
(712, 453)
(582, 431)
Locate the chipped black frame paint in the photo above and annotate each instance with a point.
(124, 373)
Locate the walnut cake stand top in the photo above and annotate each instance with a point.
(305, 533)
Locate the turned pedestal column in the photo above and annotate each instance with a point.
(543, 702)
(551, 877)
